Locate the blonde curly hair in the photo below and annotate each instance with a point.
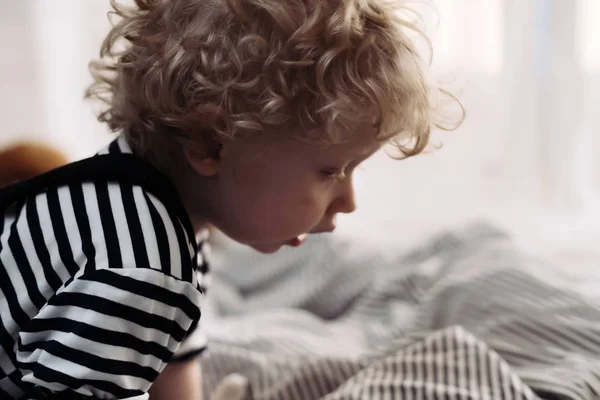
(200, 72)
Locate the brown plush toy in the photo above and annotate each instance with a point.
(25, 160)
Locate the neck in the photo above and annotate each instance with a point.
(190, 187)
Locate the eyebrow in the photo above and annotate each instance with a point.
(355, 161)
(352, 157)
(366, 155)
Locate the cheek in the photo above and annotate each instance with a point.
(277, 214)
(289, 211)
(269, 204)
(310, 205)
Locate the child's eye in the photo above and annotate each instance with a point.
(333, 173)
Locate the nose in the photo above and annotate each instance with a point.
(344, 202)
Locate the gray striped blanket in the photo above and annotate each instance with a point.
(465, 316)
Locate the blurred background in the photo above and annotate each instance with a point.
(526, 158)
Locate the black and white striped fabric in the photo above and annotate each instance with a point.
(101, 284)
(466, 316)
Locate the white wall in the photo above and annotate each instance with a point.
(20, 98)
(46, 46)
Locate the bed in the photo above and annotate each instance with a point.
(466, 314)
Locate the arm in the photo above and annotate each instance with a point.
(179, 380)
(182, 378)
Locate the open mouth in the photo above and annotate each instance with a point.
(297, 241)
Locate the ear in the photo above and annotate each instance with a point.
(204, 166)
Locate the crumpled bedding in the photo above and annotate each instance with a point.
(467, 315)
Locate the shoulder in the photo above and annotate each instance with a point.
(110, 223)
(120, 224)
(127, 215)
(119, 145)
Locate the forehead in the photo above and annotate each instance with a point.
(361, 145)
(293, 151)
(283, 150)
(357, 149)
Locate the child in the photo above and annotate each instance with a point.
(256, 113)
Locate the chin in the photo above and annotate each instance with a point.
(266, 249)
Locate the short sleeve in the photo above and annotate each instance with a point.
(108, 333)
(196, 342)
(193, 345)
(123, 297)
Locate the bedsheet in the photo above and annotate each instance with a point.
(467, 315)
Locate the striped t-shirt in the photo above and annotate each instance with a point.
(101, 283)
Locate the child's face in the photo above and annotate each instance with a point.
(267, 198)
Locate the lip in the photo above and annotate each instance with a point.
(297, 241)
